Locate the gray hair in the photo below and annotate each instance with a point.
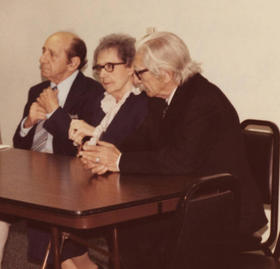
(124, 44)
(164, 50)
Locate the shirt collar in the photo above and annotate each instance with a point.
(170, 97)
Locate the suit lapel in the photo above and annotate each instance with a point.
(175, 112)
(172, 110)
(181, 99)
(118, 120)
(77, 89)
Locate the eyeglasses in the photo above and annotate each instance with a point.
(140, 72)
(109, 67)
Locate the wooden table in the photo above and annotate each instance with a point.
(57, 190)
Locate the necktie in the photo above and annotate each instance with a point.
(40, 136)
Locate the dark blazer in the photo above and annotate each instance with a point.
(200, 135)
(82, 94)
(126, 121)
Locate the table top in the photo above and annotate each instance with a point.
(61, 185)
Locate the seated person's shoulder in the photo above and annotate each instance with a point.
(209, 94)
(94, 90)
(41, 85)
(142, 98)
(93, 84)
(136, 104)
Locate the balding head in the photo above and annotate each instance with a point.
(76, 46)
(63, 53)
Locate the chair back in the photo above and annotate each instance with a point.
(262, 145)
(209, 220)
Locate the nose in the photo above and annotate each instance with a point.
(44, 57)
(102, 73)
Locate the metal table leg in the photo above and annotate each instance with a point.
(56, 247)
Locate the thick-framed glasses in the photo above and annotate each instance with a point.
(139, 73)
(109, 67)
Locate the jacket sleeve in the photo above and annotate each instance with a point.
(192, 138)
(26, 141)
(58, 125)
(144, 136)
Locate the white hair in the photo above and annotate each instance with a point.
(164, 50)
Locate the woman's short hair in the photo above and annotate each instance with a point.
(124, 44)
(164, 50)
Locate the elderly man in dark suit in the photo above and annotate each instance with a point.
(192, 128)
(52, 104)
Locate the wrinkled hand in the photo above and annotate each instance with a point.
(36, 113)
(100, 158)
(48, 99)
(78, 130)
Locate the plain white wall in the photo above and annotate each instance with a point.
(237, 43)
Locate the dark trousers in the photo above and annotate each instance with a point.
(38, 239)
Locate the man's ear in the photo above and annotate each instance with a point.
(166, 75)
(74, 63)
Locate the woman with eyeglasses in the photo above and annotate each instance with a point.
(115, 115)
(123, 107)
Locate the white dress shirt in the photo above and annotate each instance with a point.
(63, 90)
(170, 97)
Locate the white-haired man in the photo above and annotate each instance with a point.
(192, 128)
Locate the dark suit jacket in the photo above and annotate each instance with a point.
(126, 121)
(200, 135)
(82, 94)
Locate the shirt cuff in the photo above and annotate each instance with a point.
(24, 131)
